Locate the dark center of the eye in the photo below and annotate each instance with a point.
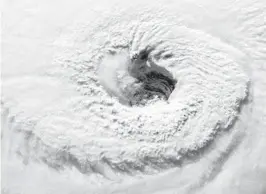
(155, 81)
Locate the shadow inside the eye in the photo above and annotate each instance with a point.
(156, 81)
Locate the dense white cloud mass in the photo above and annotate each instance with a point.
(133, 97)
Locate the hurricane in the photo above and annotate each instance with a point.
(134, 97)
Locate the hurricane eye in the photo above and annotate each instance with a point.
(155, 81)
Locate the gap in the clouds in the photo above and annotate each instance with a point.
(136, 80)
(154, 81)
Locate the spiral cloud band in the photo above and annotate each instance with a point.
(154, 93)
(134, 97)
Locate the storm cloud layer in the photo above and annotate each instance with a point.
(131, 97)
